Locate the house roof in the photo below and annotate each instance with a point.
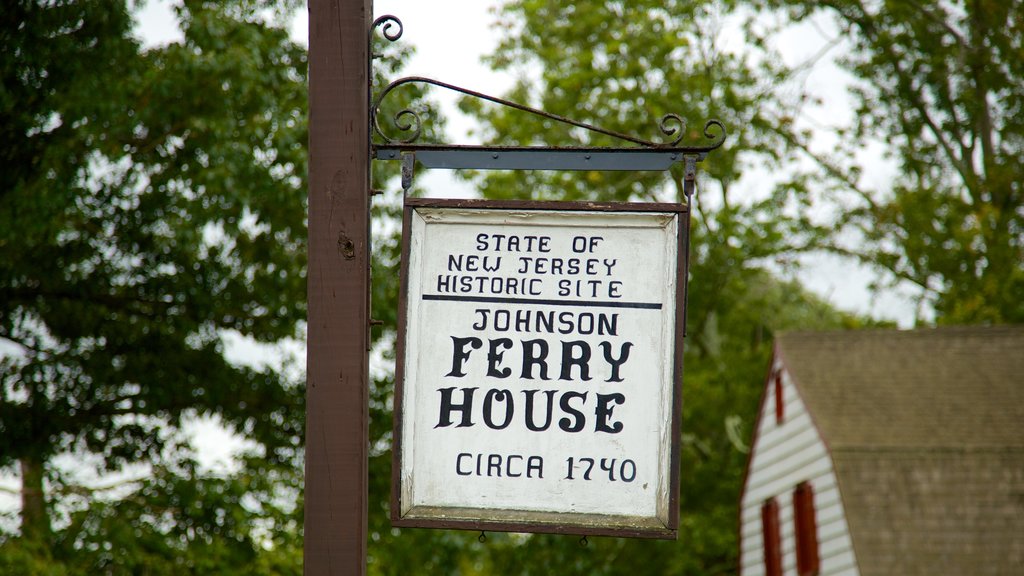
(886, 388)
(926, 431)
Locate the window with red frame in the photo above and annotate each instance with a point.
(780, 401)
(807, 561)
(772, 538)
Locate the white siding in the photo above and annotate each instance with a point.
(783, 456)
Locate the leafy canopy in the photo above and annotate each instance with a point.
(939, 86)
(151, 201)
(623, 66)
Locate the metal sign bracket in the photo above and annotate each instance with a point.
(641, 155)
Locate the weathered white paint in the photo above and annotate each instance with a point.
(782, 456)
(621, 258)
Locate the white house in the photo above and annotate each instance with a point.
(884, 452)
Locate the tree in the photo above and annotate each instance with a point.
(941, 86)
(151, 200)
(622, 66)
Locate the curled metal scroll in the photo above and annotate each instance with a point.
(388, 20)
(715, 141)
(409, 121)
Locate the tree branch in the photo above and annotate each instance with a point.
(866, 259)
(870, 29)
(830, 167)
(924, 8)
(109, 300)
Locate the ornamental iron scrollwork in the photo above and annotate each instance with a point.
(388, 21)
(409, 121)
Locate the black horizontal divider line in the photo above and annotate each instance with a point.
(504, 300)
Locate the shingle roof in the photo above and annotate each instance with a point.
(937, 387)
(926, 430)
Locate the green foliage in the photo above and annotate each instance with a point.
(153, 199)
(941, 86)
(150, 201)
(176, 522)
(622, 66)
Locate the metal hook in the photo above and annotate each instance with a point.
(584, 541)
(408, 171)
(482, 537)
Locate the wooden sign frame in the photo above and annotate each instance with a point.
(410, 508)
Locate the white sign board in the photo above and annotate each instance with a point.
(539, 366)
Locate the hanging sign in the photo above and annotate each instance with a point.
(539, 365)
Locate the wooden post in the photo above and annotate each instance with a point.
(338, 288)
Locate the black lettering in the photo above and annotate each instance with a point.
(535, 353)
(501, 396)
(482, 323)
(508, 466)
(523, 320)
(590, 467)
(494, 357)
(578, 420)
(609, 467)
(502, 320)
(616, 363)
(493, 267)
(494, 465)
(585, 323)
(632, 471)
(545, 321)
(444, 283)
(460, 354)
(529, 410)
(535, 464)
(606, 327)
(458, 464)
(447, 407)
(582, 360)
(565, 323)
(605, 404)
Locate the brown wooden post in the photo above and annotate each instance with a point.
(338, 288)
